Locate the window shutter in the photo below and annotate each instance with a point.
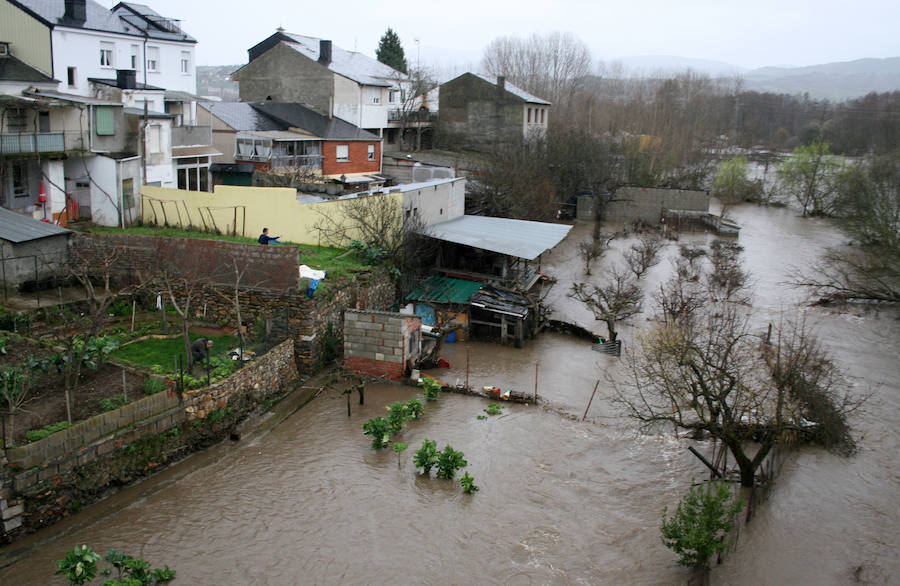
(103, 117)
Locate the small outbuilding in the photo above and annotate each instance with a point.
(31, 251)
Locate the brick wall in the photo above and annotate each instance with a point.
(376, 343)
(264, 267)
(358, 158)
(646, 204)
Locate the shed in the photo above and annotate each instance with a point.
(31, 251)
(444, 300)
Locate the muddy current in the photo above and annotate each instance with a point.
(560, 500)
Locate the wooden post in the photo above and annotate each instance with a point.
(124, 387)
(133, 309)
(590, 400)
(348, 402)
(467, 365)
(536, 366)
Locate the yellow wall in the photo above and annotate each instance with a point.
(29, 39)
(273, 207)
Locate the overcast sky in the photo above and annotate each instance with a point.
(744, 33)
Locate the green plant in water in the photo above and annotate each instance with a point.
(494, 409)
(379, 429)
(449, 461)
(399, 447)
(431, 388)
(79, 566)
(397, 416)
(414, 409)
(468, 484)
(700, 526)
(426, 457)
(481, 417)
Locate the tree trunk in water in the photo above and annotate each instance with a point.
(187, 345)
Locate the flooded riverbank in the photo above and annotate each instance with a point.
(561, 501)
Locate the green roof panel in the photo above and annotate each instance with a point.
(445, 290)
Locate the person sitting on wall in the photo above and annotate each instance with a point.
(200, 350)
(264, 238)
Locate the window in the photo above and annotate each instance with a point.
(529, 115)
(193, 173)
(371, 152)
(106, 55)
(16, 120)
(376, 99)
(128, 192)
(43, 121)
(72, 76)
(105, 120)
(153, 59)
(185, 62)
(343, 152)
(135, 56)
(394, 96)
(20, 180)
(542, 114)
(4, 49)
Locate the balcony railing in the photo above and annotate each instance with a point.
(301, 162)
(397, 115)
(32, 143)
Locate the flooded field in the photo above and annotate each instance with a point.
(561, 501)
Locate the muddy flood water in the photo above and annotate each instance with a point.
(561, 501)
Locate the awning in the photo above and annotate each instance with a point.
(194, 151)
(519, 238)
(436, 289)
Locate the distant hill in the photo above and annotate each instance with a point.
(834, 81)
(215, 80)
(652, 64)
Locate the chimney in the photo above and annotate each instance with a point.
(126, 79)
(324, 52)
(76, 10)
(501, 83)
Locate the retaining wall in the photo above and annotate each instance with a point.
(40, 481)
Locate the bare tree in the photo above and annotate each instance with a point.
(644, 254)
(14, 388)
(411, 107)
(727, 281)
(617, 300)
(185, 288)
(93, 269)
(549, 66)
(712, 380)
(681, 297)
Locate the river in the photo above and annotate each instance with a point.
(561, 501)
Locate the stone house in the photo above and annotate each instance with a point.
(334, 82)
(482, 111)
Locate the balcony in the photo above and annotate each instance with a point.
(32, 143)
(191, 136)
(415, 117)
(298, 162)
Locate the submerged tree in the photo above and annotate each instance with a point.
(732, 184)
(869, 210)
(712, 376)
(644, 254)
(809, 175)
(617, 300)
(390, 51)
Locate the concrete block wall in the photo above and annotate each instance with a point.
(376, 342)
(646, 204)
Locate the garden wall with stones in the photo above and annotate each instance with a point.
(43, 481)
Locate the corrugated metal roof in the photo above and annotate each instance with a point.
(436, 289)
(515, 90)
(194, 151)
(520, 238)
(19, 228)
(55, 95)
(356, 66)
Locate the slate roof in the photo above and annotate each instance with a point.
(352, 65)
(12, 69)
(125, 19)
(241, 116)
(299, 116)
(514, 90)
(436, 289)
(18, 228)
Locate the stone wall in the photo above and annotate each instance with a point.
(378, 343)
(52, 470)
(646, 204)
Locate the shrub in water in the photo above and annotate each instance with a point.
(449, 461)
(426, 457)
(379, 429)
(468, 484)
